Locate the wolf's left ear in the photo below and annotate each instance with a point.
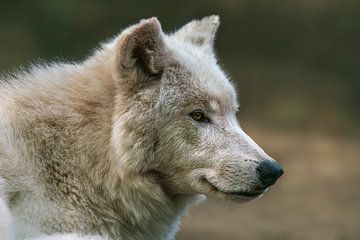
(200, 32)
(141, 53)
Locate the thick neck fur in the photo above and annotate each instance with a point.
(122, 205)
(132, 204)
(147, 212)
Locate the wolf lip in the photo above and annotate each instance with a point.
(244, 194)
(235, 193)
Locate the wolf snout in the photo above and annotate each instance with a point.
(269, 171)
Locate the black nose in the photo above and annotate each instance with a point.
(269, 172)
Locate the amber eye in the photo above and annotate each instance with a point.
(199, 116)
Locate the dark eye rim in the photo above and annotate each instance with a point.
(199, 116)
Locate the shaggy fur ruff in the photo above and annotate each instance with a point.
(108, 148)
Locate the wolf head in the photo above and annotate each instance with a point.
(175, 115)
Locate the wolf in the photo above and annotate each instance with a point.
(118, 145)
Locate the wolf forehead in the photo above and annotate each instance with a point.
(200, 85)
(198, 72)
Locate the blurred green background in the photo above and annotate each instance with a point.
(296, 66)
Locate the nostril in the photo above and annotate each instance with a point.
(269, 171)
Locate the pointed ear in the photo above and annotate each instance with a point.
(141, 53)
(200, 32)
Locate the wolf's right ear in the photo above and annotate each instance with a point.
(141, 54)
(200, 33)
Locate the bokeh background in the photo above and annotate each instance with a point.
(296, 65)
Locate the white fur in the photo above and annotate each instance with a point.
(107, 148)
(67, 237)
(248, 141)
(6, 228)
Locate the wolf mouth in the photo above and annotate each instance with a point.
(244, 194)
(234, 193)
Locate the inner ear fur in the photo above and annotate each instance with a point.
(141, 53)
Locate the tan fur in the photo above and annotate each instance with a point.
(106, 147)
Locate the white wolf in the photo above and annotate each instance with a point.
(117, 146)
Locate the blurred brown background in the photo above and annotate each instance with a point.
(296, 65)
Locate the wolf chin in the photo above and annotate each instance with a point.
(117, 146)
